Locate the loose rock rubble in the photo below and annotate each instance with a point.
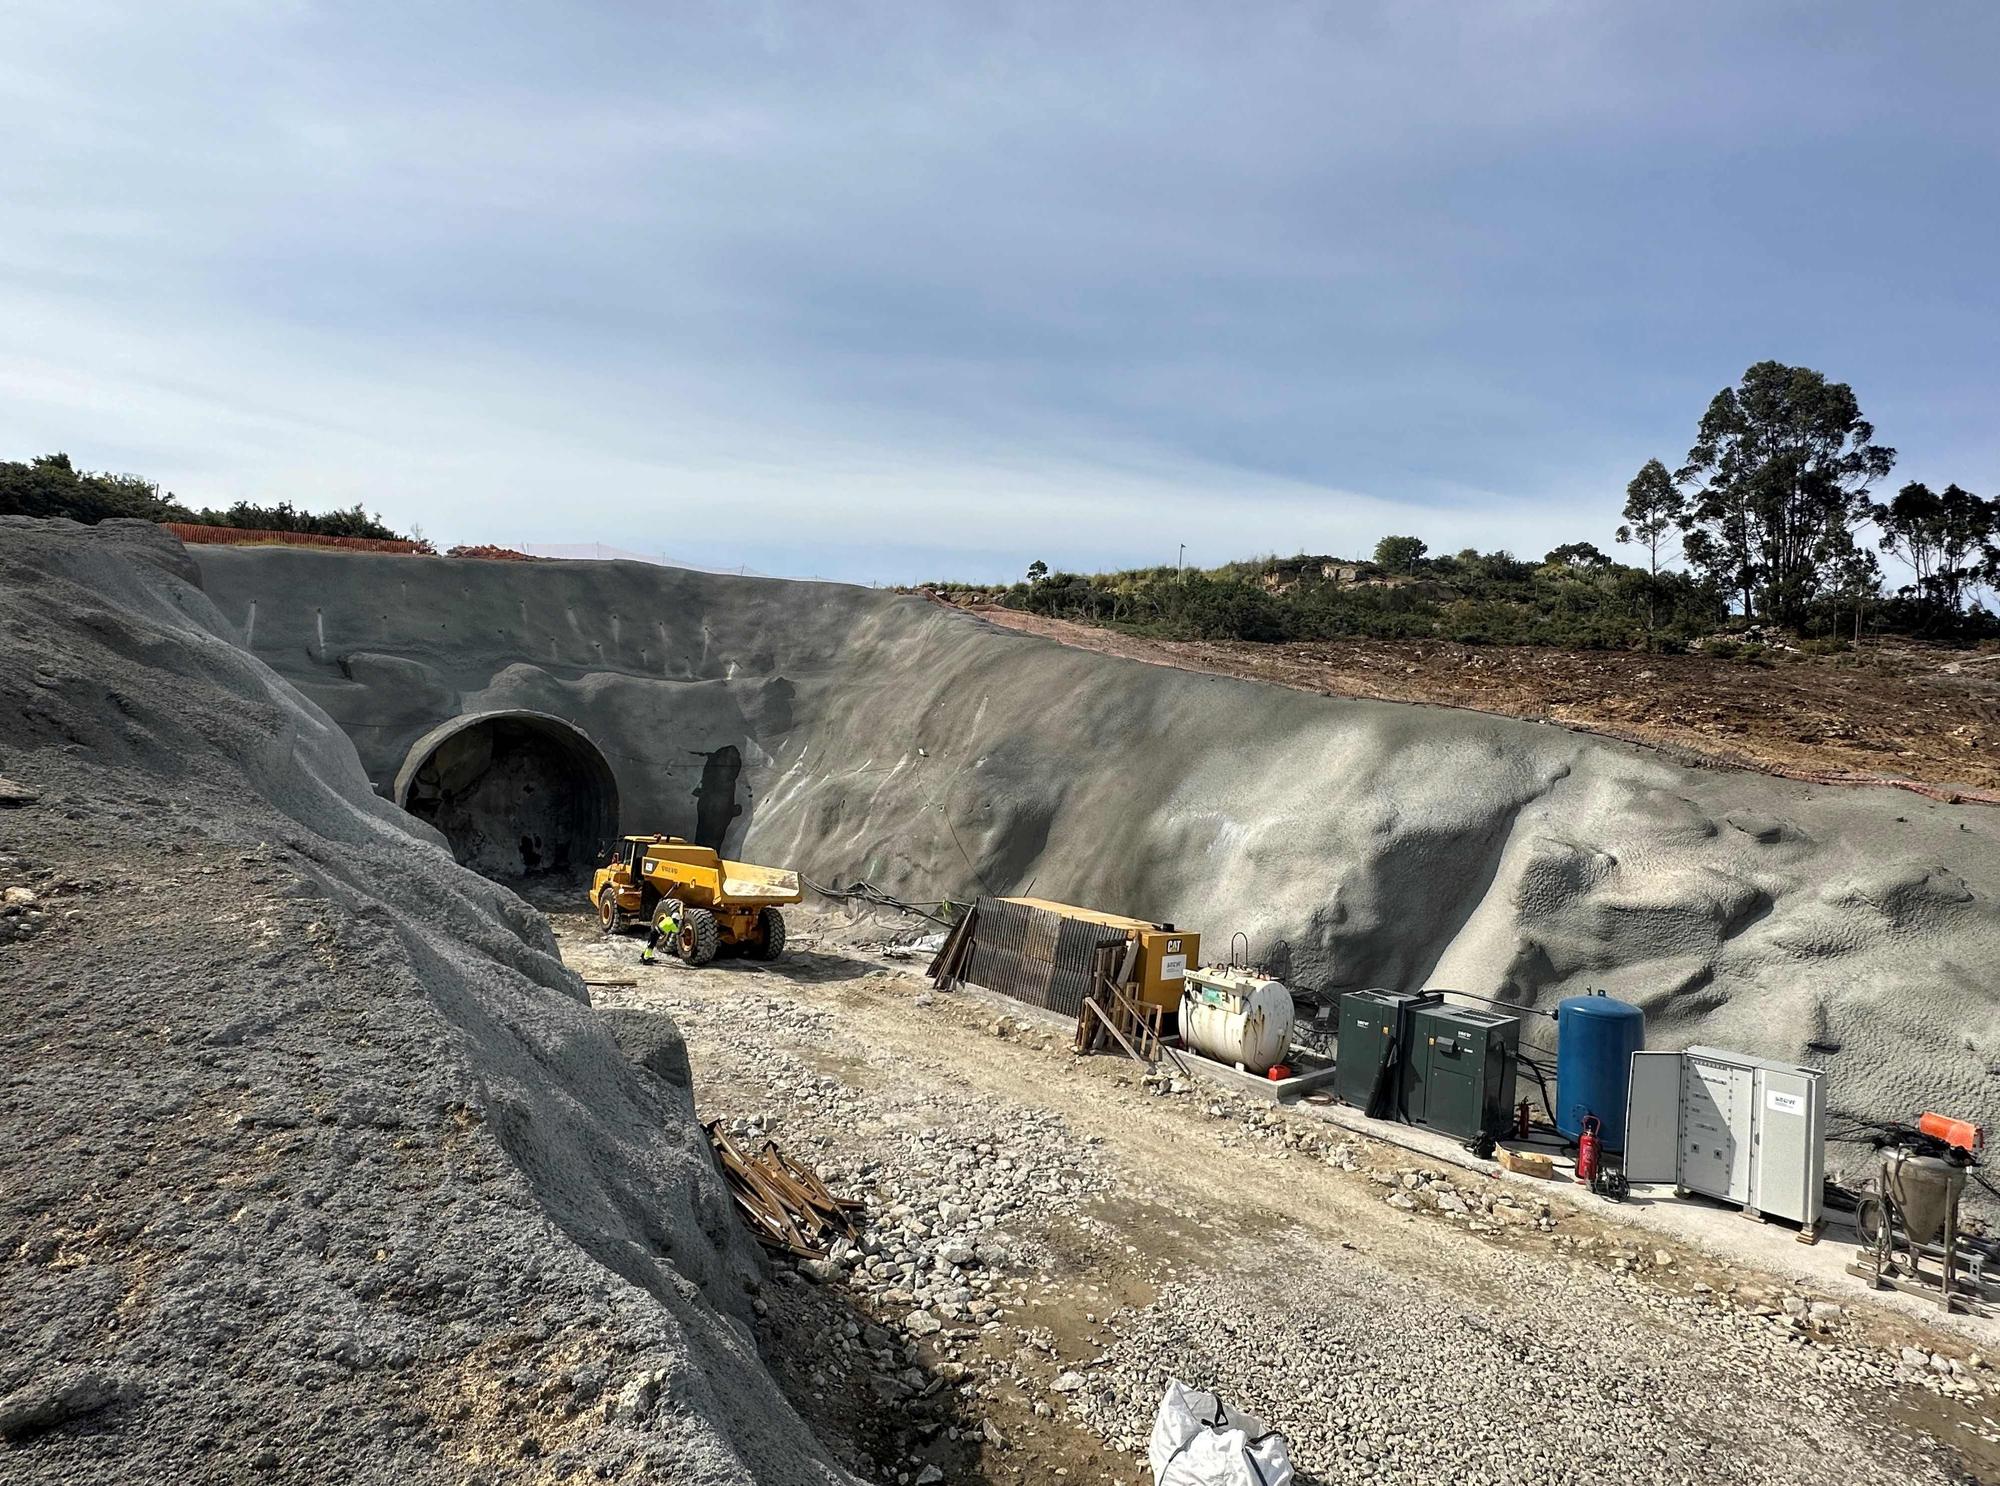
(1462, 1328)
(959, 1194)
(1365, 1402)
(36, 899)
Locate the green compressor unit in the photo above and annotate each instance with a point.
(1372, 1062)
(1461, 1070)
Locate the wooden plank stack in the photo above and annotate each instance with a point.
(785, 1203)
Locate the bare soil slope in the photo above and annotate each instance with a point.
(1890, 712)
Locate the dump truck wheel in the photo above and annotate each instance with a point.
(700, 936)
(770, 935)
(608, 917)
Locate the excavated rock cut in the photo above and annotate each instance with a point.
(321, 1164)
(856, 734)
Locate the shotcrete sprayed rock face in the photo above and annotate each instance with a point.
(466, 1186)
(856, 734)
(516, 794)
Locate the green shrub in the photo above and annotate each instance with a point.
(53, 486)
(1474, 598)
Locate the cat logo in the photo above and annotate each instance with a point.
(1173, 946)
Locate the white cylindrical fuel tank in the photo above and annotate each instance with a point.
(1235, 1017)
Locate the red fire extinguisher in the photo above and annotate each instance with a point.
(1586, 1151)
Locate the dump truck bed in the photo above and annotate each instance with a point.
(745, 882)
(726, 883)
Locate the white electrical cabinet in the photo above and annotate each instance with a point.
(1747, 1130)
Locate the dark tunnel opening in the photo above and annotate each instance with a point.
(518, 795)
(716, 807)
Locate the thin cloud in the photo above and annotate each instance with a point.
(1058, 282)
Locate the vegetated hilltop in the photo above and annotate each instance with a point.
(1576, 596)
(1772, 515)
(320, 1163)
(1575, 639)
(52, 486)
(1771, 512)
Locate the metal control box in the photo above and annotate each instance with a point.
(1375, 1030)
(1460, 1075)
(1727, 1125)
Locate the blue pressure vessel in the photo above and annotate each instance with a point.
(1595, 1039)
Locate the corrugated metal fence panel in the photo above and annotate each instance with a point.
(1034, 955)
(1076, 958)
(1001, 956)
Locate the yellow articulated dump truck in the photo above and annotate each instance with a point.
(715, 902)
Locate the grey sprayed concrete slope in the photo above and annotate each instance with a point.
(1356, 843)
(319, 1163)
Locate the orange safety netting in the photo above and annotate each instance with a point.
(233, 535)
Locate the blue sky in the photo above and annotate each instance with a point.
(890, 292)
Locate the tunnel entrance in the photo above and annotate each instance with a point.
(517, 794)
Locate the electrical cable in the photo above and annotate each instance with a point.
(1494, 1001)
(1884, 1133)
(1541, 1083)
(867, 892)
(1380, 1100)
(1542, 1135)
(964, 853)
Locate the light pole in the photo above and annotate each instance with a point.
(1180, 562)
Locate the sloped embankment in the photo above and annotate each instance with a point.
(1356, 843)
(319, 1162)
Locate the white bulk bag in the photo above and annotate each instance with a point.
(1198, 1440)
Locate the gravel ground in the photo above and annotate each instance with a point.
(1050, 1238)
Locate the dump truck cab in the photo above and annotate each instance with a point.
(618, 889)
(713, 902)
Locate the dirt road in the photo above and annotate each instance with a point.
(1396, 1321)
(1891, 710)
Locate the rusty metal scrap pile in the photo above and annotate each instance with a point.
(786, 1205)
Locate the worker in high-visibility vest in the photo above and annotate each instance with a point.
(665, 928)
